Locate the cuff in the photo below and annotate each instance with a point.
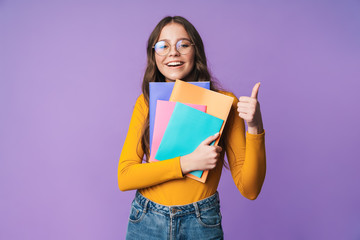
(177, 167)
(255, 136)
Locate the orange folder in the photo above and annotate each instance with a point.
(218, 105)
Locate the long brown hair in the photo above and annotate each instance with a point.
(199, 73)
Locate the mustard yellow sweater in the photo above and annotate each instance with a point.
(163, 181)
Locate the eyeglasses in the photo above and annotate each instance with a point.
(183, 46)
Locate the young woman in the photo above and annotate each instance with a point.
(169, 205)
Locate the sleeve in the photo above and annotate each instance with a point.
(246, 155)
(132, 173)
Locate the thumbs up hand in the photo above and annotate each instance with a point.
(249, 110)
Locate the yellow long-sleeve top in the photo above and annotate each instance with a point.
(163, 181)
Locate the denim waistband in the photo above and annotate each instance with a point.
(203, 204)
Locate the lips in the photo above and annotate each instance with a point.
(174, 64)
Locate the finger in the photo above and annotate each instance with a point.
(210, 139)
(218, 149)
(210, 166)
(243, 104)
(255, 90)
(243, 116)
(243, 110)
(248, 100)
(214, 155)
(244, 99)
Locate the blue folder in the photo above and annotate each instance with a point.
(187, 128)
(162, 91)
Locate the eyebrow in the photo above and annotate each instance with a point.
(176, 40)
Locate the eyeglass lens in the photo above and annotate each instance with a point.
(182, 46)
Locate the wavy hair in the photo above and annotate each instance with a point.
(199, 73)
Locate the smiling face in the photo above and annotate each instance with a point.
(175, 65)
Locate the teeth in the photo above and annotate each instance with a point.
(174, 64)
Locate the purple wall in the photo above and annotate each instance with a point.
(70, 72)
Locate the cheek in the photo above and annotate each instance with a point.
(192, 60)
(158, 61)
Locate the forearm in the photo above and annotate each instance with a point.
(132, 175)
(254, 167)
(246, 155)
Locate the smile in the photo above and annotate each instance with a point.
(174, 64)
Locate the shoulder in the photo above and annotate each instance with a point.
(230, 94)
(140, 99)
(141, 103)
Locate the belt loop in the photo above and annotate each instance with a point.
(146, 205)
(196, 209)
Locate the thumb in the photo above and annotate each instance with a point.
(254, 93)
(210, 139)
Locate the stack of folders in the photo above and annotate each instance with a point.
(162, 91)
(191, 114)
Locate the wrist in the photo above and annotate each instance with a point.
(256, 129)
(185, 164)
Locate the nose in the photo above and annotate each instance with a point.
(173, 51)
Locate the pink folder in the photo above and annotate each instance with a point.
(163, 113)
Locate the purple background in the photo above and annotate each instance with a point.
(70, 72)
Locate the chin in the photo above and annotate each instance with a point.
(173, 78)
(183, 75)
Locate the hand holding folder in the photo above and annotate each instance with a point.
(218, 105)
(186, 130)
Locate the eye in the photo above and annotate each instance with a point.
(183, 44)
(162, 45)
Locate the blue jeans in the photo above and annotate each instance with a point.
(199, 220)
